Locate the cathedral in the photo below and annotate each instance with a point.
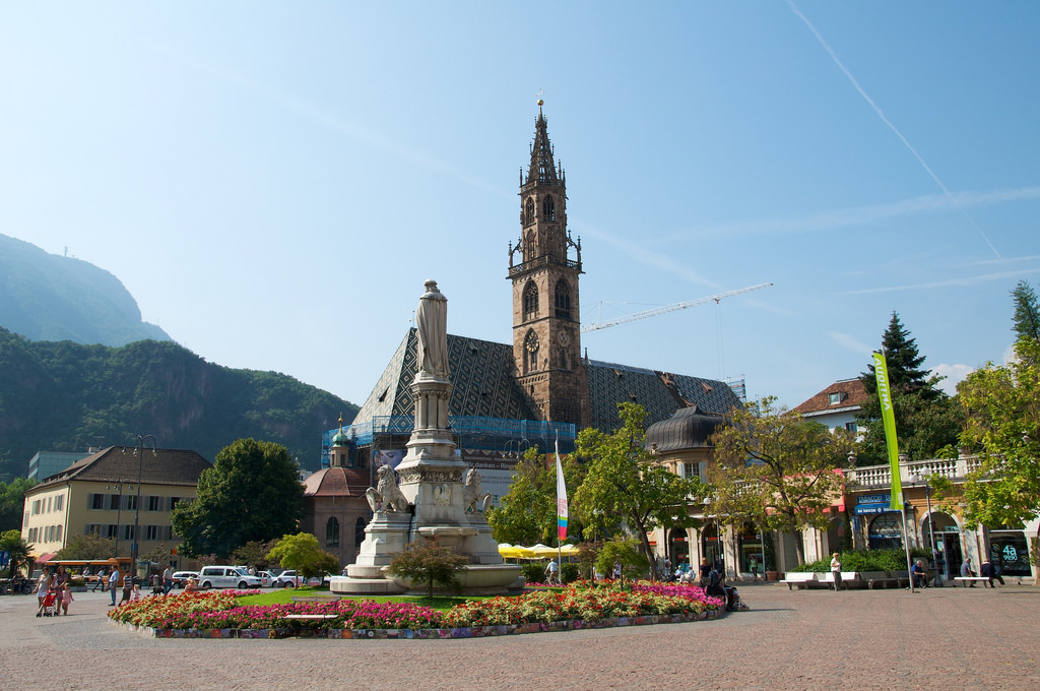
(540, 388)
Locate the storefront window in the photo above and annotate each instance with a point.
(885, 531)
(1009, 553)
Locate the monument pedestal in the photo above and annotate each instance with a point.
(446, 500)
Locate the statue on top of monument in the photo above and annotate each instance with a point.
(431, 321)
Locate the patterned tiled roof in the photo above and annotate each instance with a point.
(482, 376)
(851, 394)
(661, 393)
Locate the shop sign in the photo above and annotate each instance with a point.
(868, 509)
(874, 499)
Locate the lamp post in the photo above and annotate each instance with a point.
(135, 545)
(119, 510)
(931, 529)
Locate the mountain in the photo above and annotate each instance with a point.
(46, 297)
(63, 396)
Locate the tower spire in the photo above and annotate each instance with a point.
(542, 167)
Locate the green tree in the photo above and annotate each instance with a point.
(252, 492)
(253, 553)
(625, 551)
(526, 514)
(12, 499)
(1027, 311)
(303, 553)
(1002, 422)
(428, 563)
(11, 541)
(926, 418)
(87, 547)
(624, 487)
(778, 468)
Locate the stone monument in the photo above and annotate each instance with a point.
(438, 497)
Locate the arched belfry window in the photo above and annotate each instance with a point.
(530, 301)
(528, 248)
(529, 212)
(549, 208)
(530, 352)
(563, 299)
(332, 532)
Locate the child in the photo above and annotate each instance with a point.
(66, 598)
(136, 594)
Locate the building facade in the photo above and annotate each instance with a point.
(97, 495)
(335, 509)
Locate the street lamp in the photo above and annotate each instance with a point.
(119, 510)
(931, 530)
(141, 439)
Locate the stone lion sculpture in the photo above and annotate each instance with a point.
(473, 498)
(386, 495)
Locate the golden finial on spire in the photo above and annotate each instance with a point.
(541, 102)
(341, 422)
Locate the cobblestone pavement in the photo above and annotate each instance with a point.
(938, 638)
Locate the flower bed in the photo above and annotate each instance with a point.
(583, 605)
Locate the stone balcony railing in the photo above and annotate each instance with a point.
(911, 472)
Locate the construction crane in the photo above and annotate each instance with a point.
(672, 308)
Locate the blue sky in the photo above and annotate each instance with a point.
(274, 181)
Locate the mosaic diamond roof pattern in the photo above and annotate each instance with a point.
(483, 385)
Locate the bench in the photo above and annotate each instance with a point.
(966, 580)
(799, 579)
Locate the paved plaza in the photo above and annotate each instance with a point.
(939, 638)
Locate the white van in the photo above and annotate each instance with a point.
(226, 577)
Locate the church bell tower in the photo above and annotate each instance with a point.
(546, 322)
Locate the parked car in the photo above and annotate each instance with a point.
(180, 578)
(266, 579)
(226, 577)
(288, 579)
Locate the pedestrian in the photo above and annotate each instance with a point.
(617, 570)
(991, 572)
(167, 579)
(966, 571)
(113, 583)
(753, 567)
(128, 587)
(66, 599)
(135, 594)
(836, 571)
(42, 587)
(551, 573)
(705, 572)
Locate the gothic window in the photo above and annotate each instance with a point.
(563, 299)
(530, 301)
(549, 209)
(332, 532)
(528, 248)
(563, 358)
(530, 352)
(529, 212)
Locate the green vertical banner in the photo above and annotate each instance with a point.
(889, 419)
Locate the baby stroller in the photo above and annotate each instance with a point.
(50, 603)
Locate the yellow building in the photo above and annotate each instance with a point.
(98, 495)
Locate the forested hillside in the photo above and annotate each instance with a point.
(64, 396)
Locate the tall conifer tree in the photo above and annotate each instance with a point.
(1027, 311)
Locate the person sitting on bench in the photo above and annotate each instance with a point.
(966, 571)
(919, 574)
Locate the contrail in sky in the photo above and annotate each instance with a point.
(881, 114)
